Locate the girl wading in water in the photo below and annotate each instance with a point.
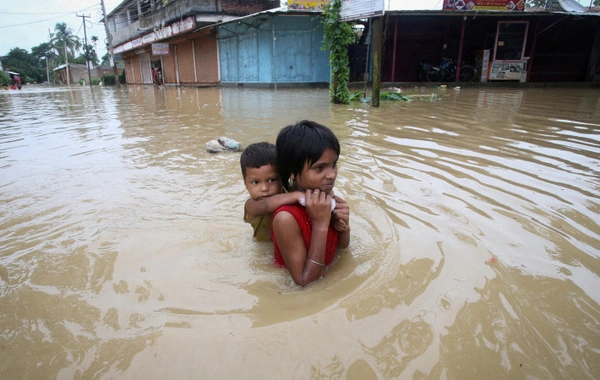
(306, 237)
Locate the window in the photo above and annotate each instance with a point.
(510, 40)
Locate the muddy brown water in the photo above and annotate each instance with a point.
(475, 250)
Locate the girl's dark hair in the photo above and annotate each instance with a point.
(257, 155)
(300, 143)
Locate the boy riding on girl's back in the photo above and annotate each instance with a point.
(259, 170)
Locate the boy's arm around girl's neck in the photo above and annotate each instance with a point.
(268, 205)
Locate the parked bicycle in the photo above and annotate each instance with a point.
(446, 72)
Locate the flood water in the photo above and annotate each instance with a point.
(475, 248)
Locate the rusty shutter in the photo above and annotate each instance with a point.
(133, 74)
(168, 67)
(185, 62)
(145, 68)
(207, 65)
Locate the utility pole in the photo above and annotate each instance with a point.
(51, 39)
(110, 45)
(67, 64)
(377, 51)
(87, 48)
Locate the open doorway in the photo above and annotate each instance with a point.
(157, 76)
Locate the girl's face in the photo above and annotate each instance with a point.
(320, 175)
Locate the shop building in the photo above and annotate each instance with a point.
(258, 44)
(532, 45)
(169, 37)
(274, 48)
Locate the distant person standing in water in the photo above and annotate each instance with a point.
(305, 238)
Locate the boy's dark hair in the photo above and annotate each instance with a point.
(257, 155)
(300, 143)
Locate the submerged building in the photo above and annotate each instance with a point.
(192, 42)
(166, 39)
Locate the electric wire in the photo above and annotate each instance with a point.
(46, 19)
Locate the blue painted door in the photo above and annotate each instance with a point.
(293, 56)
(228, 57)
(248, 59)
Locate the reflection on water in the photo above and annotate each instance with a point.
(474, 254)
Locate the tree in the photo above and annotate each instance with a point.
(91, 50)
(336, 37)
(92, 56)
(4, 79)
(26, 64)
(105, 59)
(45, 54)
(43, 51)
(64, 40)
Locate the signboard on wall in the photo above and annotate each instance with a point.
(357, 9)
(306, 5)
(351, 9)
(160, 48)
(158, 34)
(484, 5)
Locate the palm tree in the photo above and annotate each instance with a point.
(63, 39)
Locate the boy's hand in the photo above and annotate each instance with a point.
(299, 196)
(318, 207)
(341, 215)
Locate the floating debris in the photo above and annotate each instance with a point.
(223, 144)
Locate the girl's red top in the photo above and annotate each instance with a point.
(301, 216)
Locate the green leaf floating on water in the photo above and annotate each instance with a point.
(395, 96)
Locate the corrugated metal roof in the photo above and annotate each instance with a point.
(567, 6)
(530, 11)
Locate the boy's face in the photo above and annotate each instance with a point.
(262, 182)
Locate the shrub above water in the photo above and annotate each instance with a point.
(109, 79)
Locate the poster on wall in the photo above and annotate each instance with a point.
(303, 5)
(484, 5)
(507, 71)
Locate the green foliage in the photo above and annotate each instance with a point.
(336, 37)
(393, 96)
(63, 37)
(27, 65)
(358, 96)
(122, 78)
(95, 82)
(4, 78)
(105, 59)
(93, 57)
(43, 51)
(108, 79)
